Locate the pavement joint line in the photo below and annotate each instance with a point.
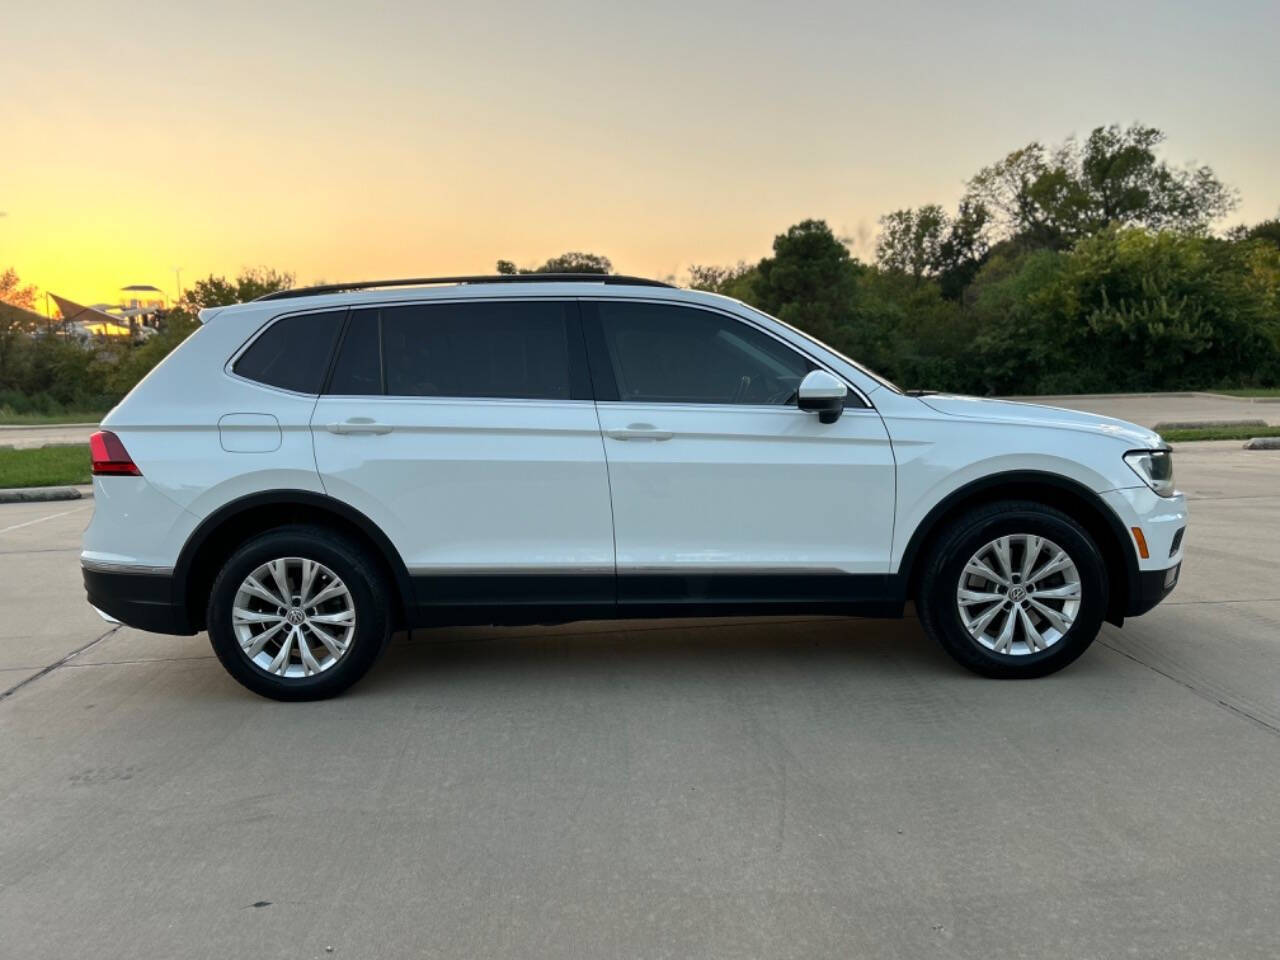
(1202, 694)
(52, 516)
(54, 666)
(1192, 603)
(125, 663)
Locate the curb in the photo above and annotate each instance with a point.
(1040, 398)
(41, 494)
(46, 426)
(1206, 424)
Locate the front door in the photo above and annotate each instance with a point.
(466, 432)
(725, 494)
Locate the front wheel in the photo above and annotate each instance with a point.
(1013, 589)
(298, 613)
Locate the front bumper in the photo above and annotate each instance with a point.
(1163, 522)
(1152, 587)
(143, 600)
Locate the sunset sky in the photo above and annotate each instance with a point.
(378, 139)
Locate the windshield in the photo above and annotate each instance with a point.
(888, 384)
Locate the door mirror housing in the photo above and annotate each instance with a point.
(823, 394)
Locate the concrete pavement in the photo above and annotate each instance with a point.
(780, 788)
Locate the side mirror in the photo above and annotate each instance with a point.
(823, 394)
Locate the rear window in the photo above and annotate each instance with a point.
(293, 353)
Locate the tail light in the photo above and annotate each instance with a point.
(109, 457)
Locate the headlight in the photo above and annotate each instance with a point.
(1155, 467)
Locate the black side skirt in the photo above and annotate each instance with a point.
(552, 598)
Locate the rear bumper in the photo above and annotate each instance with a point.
(142, 600)
(1152, 587)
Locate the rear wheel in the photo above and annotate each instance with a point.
(298, 613)
(1014, 589)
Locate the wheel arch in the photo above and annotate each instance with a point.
(220, 533)
(1072, 498)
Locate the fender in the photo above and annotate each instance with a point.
(285, 499)
(975, 490)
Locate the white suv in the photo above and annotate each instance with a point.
(310, 471)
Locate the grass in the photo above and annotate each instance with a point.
(1251, 392)
(10, 419)
(44, 467)
(1219, 433)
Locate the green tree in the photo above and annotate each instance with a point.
(1054, 197)
(911, 241)
(927, 243)
(809, 282)
(735, 281)
(1267, 231)
(1138, 310)
(1017, 346)
(572, 262)
(214, 291)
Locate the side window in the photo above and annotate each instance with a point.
(293, 353)
(358, 370)
(501, 349)
(661, 353)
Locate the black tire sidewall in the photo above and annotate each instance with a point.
(965, 539)
(353, 566)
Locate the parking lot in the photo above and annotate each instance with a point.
(770, 788)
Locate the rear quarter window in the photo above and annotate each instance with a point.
(293, 353)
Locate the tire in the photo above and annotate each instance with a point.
(353, 613)
(1024, 528)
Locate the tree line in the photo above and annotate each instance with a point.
(1089, 266)
(1085, 267)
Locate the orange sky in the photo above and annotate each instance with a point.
(400, 138)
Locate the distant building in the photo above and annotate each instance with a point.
(85, 322)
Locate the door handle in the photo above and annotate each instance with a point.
(358, 425)
(639, 431)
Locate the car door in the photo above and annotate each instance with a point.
(724, 492)
(465, 431)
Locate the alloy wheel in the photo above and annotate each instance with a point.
(293, 617)
(1019, 594)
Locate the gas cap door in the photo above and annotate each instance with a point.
(249, 433)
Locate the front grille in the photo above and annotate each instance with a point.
(1177, 541)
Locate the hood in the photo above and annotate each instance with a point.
(1035, 414)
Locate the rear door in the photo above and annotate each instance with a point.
(466, 431)
(724, 492)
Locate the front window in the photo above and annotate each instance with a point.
(663, 353)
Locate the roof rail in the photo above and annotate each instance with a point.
(606, 278)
